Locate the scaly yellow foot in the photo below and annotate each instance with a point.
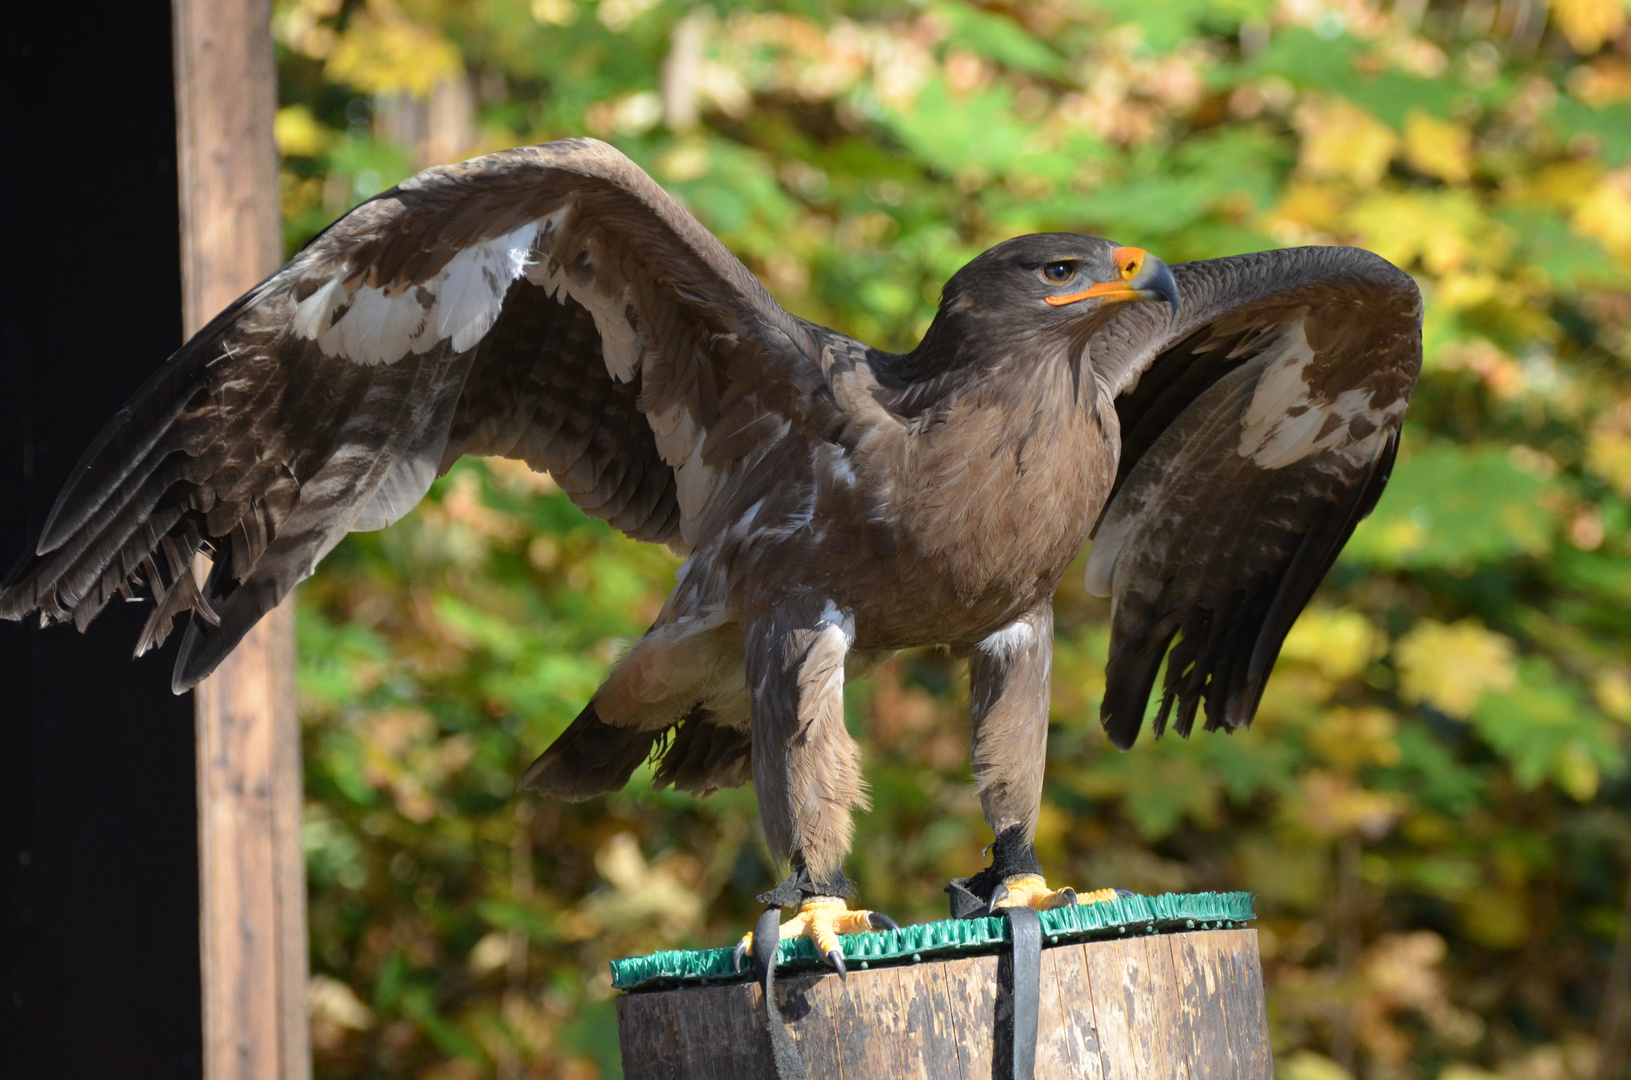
(822, 919)
(1031, 890)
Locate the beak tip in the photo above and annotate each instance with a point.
(1162, 284)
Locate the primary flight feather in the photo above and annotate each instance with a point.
(1222, 425)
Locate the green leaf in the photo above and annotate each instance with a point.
(996, 37)
(1454, 507)
(1545, 729)
(1572, 262)
(1608, 128)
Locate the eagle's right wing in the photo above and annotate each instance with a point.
(1259, 423)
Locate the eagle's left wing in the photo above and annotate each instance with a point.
(550, 304)
(1259, 424)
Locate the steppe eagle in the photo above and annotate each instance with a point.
(1219, 428)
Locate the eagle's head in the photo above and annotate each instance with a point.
(1039, 289)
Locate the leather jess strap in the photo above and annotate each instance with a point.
(1017, 1010)
(767, 933)
(1019, 1002)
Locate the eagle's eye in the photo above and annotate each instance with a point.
(1059, 272)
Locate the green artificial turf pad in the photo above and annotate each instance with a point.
(1127, 915)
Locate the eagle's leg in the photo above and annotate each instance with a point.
(1009, 684)
(806, 768)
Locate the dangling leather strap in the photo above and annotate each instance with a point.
(767, 934)
(1017, 1009)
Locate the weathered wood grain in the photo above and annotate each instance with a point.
(1203, 1018)
(1136, 1008)
(1115, 983)
(1066, 1045)
(1170, 1044)
(252, 875)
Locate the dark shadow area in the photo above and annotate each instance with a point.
(98, 856)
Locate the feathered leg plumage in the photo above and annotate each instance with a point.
(1010, 676)
(806, 768)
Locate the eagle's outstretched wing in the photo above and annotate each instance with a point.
(1259, 424)
(551, 304)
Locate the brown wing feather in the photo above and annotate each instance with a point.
(551, 304)
(1259, 426)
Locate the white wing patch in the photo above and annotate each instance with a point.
(474, 283)
(311, 315)
(368, 325)
(623, 348)
(676, 432)
(1286, 421)
(399, 492)
(620, 346)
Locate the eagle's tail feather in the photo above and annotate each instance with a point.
(589, 758)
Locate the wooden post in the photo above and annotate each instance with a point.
(252, 934)
(1159, 1007)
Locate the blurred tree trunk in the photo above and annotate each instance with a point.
(252, 878)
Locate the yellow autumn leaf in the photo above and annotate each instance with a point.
(1398, 539)
(1498, 919)
(1451, 666)
(555, 12)
(1340, 643)
(1608, 455)
(619, 15)
(305, 26)
(1576, 772)
(1587, 24)
(1612, 691)
(297, 132)
(1396, 227)
(1560, 186)
(1605, 213)
(1440, 148)
(1603, 82)
(1339, 139)
(1308, 212)
(1352, 738)
(1331, 804)
(1307, 1065)
(382, 51)
(1446, 229)
(1457, 292)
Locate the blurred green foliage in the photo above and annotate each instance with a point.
(1433, 804)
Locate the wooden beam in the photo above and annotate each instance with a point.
(252, 937)
(1188, 1006)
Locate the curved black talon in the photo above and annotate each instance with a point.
(879, 921)
(998, 895)
(1122, 894)
(836, 959)
(1069, 896)
(737, 953)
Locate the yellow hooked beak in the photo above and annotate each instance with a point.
(1143, 277)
